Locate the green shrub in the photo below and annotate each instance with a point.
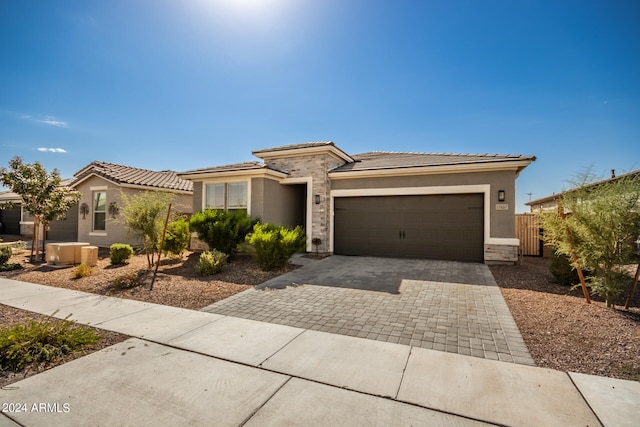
(5, 254)
(221, 230)
(126, 281)
(82, 271)
(10, 267)
(177, 238)
(274, 245)
(41, 341)
(563, 271)
(119, 253)
(211, 262)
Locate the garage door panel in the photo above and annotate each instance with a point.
(435, 226)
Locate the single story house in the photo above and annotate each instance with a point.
(551, 202)
(390, 204)
(95, 218)
(101, 184)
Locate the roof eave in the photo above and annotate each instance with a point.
(516, 166)
(330, 149)
(254, 172)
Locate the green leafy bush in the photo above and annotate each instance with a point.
(119, 253)
(10, 267)
(82, 270)
(126, 281)
(221, 230)
(211, 262)
(41, 341)
(5, 254)
(274, 245)
(177, 238)
(562, 269)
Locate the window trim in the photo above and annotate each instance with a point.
(94, 211)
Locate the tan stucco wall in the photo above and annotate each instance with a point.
(115, 231)
(276, 203)
(502, 222)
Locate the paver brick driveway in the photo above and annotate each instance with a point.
(441, 305)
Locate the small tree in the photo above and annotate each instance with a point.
(142, 215)
(600, 222)
(42, 194)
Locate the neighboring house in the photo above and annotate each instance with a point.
(95, 218)
(416, 205)
(15, 220)
(551, 202)
(101, 184)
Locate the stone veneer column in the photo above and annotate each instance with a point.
(317, 167)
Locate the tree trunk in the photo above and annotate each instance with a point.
(44, 237)
(34, 239)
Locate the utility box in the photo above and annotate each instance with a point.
(64, 253)
(89, 256)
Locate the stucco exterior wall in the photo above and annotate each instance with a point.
(65, 229)
(115, 231)
(276, 203)
(502, 222)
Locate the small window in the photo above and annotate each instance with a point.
(99, 210)
(214, 196)
(237, 196)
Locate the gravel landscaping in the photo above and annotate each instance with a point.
(561, 331)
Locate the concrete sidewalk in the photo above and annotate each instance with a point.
(189, 367)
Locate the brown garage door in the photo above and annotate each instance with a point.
(448, 226)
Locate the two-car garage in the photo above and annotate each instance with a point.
(442, 226)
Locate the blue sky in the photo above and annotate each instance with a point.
(179, 85)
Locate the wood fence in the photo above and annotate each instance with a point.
(528, 231)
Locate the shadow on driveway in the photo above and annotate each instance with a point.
(379, 274)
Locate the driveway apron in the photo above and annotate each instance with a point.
(441, 305)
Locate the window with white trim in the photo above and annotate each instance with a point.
(99, 211)
(229, 196)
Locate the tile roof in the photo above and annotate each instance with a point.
(556, 196)
(393, 160)
(120, 174)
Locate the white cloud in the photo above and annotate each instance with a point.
(52, 150)
(50, 120)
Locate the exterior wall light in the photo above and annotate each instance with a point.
(317, 199)
(501, 195)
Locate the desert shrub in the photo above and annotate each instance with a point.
(563, 270)
(5, 254)
(211, 262)
(10, 267)
(126, 281)
(41, 341)
(177, 238)
(221, 230)
(82, 270)
(119, 253)
(274, 244)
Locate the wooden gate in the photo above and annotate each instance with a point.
(528, 231)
